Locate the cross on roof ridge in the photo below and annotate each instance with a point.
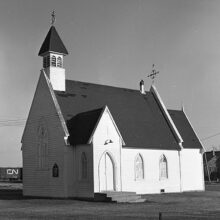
(153, 73)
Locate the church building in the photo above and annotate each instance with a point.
(83, 140)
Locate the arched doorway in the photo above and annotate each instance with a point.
(106, 173)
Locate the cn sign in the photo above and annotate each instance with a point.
(12, 171)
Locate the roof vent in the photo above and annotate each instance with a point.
(142, 87)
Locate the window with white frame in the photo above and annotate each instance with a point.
(163, 167)
(139, 167)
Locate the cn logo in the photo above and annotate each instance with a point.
(12, 171)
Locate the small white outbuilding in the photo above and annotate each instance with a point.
(82, 139)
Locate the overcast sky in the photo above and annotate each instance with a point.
(113, 42)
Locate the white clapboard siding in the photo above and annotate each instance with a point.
(192, 170)
(106, 131)
(151, 182)
(38, 182)
(84, 187)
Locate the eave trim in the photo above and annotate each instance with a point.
(57, 106)
(167, 115)
(105, 109)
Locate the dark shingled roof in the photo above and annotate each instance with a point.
(190, 139)
(82, 125)
(53, 43)
(138, 117)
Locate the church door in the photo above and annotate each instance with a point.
(106, 173)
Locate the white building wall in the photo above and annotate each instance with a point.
(192, 170)
(37, 181)
(151, 182)
(69, 171)
(105, 131)
(75, 185)
(57, 77)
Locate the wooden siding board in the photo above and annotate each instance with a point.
(40, 182)
(84, 188)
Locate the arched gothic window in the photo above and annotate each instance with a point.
(53, 62)
(42, 145)
(59, 62)
(83, 166)
(139, 167)
(55, 171)
(163, 167)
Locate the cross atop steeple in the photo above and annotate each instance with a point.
(53, 18)
(153, 73)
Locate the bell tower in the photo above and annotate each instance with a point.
(53, 52)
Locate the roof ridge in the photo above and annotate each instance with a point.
(114, 87)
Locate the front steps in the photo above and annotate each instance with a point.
(114, 196)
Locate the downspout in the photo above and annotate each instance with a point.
(75, 172)
(202, 152)
(65, 174)
(120, 142)
(180, 167)
(93, 173)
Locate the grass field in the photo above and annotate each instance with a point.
(192, 205)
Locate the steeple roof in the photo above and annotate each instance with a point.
(53, 43)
